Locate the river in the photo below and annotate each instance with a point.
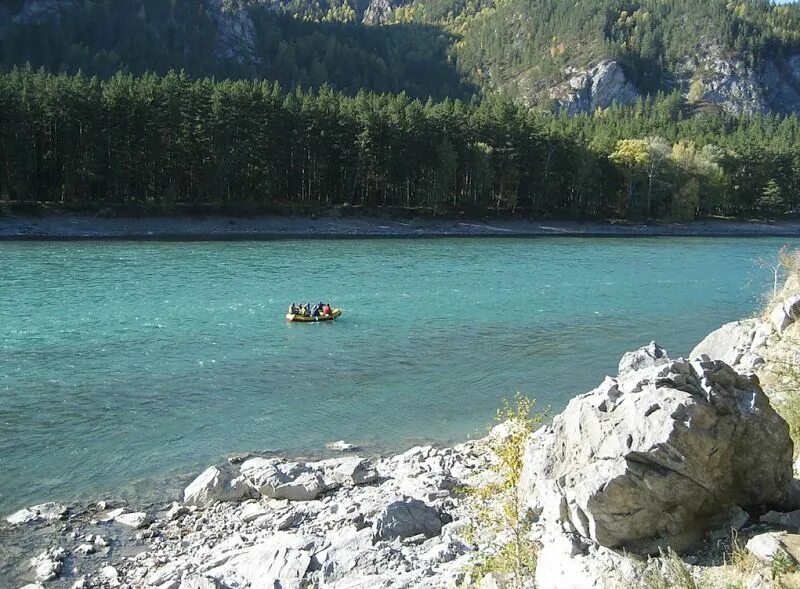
(126, 366)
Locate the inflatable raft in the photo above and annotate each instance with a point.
(308, 319)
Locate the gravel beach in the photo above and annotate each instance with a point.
(68, 227)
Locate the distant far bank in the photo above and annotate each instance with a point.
(79, 227)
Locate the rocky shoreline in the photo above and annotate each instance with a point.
(668, 455)
(75, 227)
(340, 522)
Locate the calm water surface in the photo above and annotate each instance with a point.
(123, 363)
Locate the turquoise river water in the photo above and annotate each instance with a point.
(125, 367)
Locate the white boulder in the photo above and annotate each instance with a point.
(134, 520)
(295, 481)
(216, 484)
(47, 512)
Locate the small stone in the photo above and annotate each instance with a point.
(406, 518)
(418, 539)
(110, 573)
(85, 549)
(341, 446)
(135, 520)
(216, 484)
(47, 512)
(101, 541)
(176, 510)
(22, 516)
(112, 515)
(48, 564)
(252, 511)
(289, 520)
(198, 582)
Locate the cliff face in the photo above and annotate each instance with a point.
(709, 78)
(237, 36)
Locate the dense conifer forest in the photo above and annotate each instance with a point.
(157, 142)
(137, 106)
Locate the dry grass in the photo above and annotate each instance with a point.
(670, 572)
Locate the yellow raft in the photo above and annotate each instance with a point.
(308, 319)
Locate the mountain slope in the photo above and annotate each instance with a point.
(743, 55)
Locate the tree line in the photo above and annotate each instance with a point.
(156, 143)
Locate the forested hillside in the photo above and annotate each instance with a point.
(643, 109)
(742, 54)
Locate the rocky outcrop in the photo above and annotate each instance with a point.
(780, 79)
(598, 87)
(724, 78)
(654, 457)
(236, 38)
(378, 12)
(711, 76)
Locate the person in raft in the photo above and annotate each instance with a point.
(305, 310)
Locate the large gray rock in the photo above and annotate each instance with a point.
(216, 484)
(295, 481)
(406, 518)
(348, 471)
(655, 457)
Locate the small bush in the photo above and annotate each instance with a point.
(498, 506)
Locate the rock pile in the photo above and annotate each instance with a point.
(343, 522)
